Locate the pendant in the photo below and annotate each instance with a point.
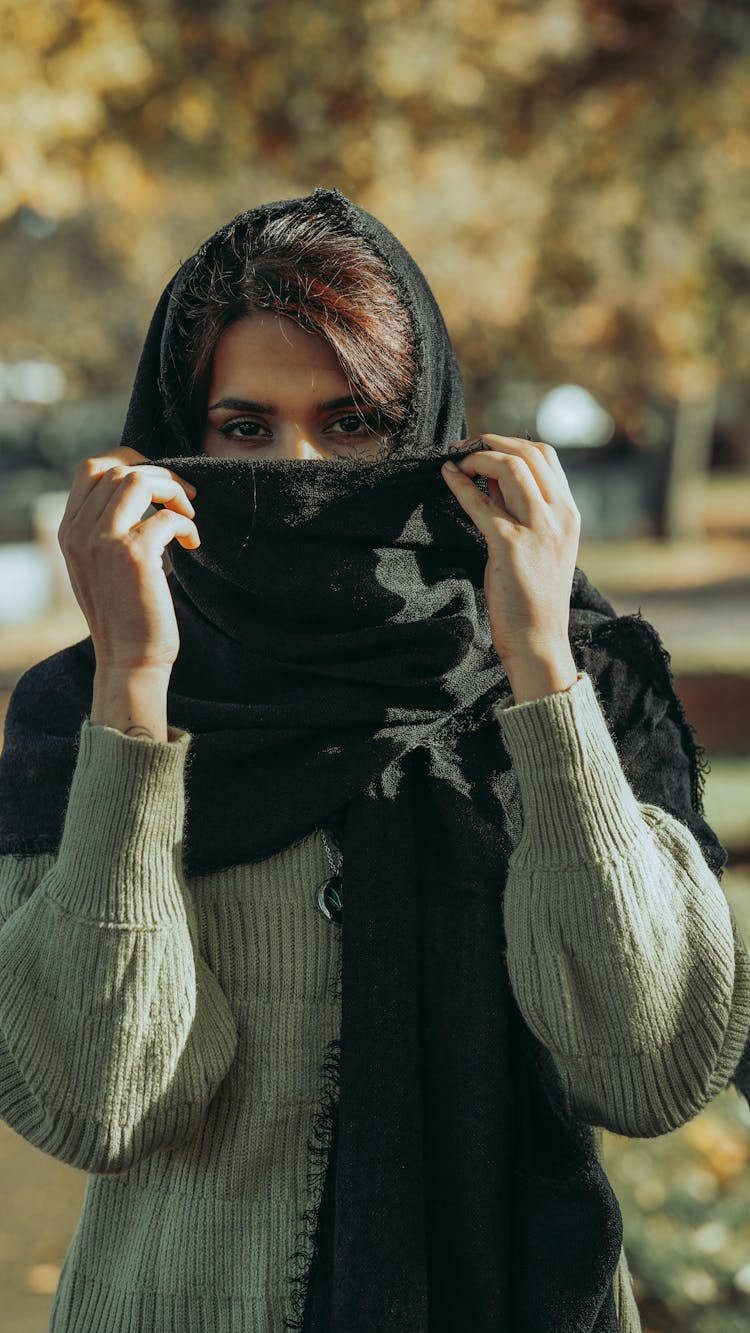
(329, 899)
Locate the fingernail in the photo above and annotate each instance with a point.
(449, 467)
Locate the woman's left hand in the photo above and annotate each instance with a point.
(532, 527)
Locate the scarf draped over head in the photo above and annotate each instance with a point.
(336, 669)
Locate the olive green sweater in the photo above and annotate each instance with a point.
(164, 1033)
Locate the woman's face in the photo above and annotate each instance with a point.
(278, 391)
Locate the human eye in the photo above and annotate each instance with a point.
(241, 429)
(358, 424)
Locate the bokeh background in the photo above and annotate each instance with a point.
(574, 178)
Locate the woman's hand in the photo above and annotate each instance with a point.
(114, 557)
(532, 527)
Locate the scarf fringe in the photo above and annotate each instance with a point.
(320, 1146)
(700, 765)
(659, 661)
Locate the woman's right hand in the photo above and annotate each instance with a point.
(114, 556)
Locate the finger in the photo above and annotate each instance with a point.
(511, 484)
(480, 508)
(88, 505)
(125, 499)
(160, 528)
(489, 441)
(90, 471)
(126, 457)
(531, 467)
(154, 469)
(539, 449)
(117, 502)
(123, 453)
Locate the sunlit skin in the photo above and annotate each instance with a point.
(115, 556)
(268, 360)
(278, 391)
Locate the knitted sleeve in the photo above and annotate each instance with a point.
(623, 953)
(114, 1033)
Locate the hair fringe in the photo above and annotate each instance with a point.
(308, 266)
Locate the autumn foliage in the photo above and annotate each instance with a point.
(574, 176)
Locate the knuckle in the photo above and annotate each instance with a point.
(74, 555)
(69, 537)
(517, 464)
(128, 550)
(94, 543)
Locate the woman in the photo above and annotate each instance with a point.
(355, 871)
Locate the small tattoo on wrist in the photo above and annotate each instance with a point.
(139, 731)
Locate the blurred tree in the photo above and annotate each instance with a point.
(572, 174)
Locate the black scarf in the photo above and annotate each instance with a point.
(336, 669)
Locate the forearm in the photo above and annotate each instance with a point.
(114, 1033)
(620, 942)
(132, 701)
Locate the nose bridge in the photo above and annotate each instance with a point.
(298, 441)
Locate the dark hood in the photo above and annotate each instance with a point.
(436, 417)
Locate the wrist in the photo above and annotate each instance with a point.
(106, 671)
(132, 700)
(535, 675)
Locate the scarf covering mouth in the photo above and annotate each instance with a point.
(336, 669)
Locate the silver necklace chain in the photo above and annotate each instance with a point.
(328, 893)
(334, 860)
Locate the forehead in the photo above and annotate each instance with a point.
(275, 350)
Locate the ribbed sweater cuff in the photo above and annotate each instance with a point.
(578, 805)
(120, 857)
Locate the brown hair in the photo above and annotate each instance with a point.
(299, 263)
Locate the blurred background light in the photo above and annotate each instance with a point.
(35, 224)
(570, 416)
(25, 582)
(32, 382)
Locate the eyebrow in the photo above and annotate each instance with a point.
(267, 409)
